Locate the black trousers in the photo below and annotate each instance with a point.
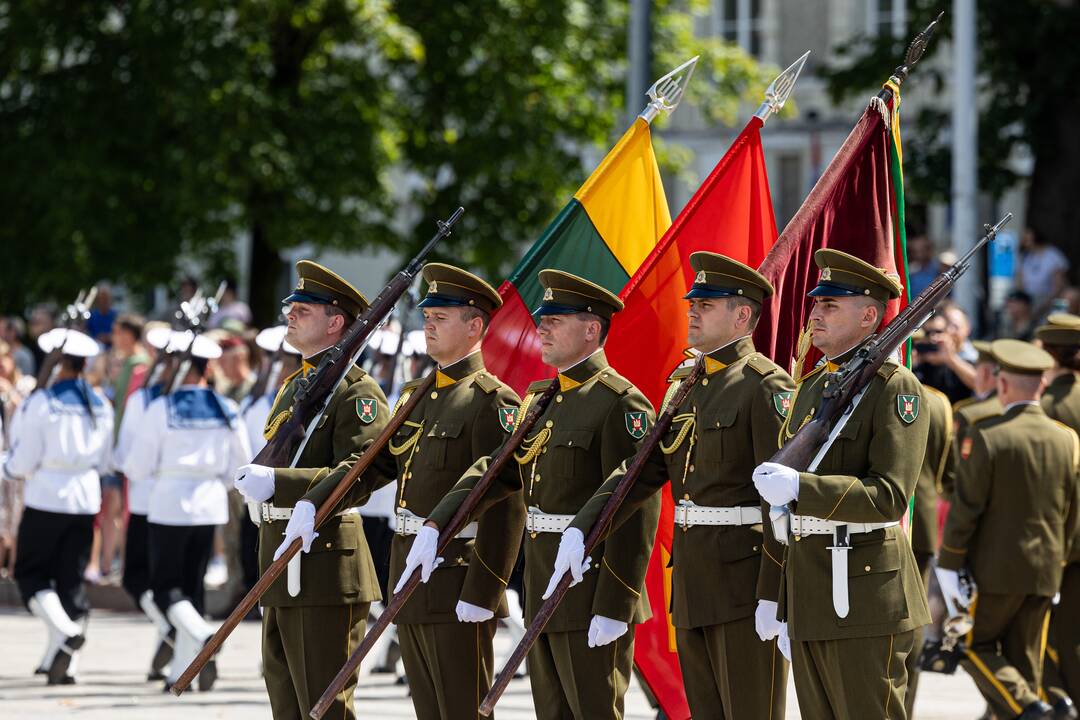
(379, 538)
(179, 555)
(137, 557)
(249, 551)
(54, 549)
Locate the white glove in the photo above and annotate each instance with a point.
(469, 613)
(421, 555)
(604, 630)
(571, 550)
(301, 525)
(254, 482)
(765, 621)
(784, 642)
(949, 582)
(778, 484)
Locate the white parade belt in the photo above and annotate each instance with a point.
(410, 523)
(687, 514)
(807, 525)
(270, 512)
(539, 522)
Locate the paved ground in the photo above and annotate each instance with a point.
(119, 645)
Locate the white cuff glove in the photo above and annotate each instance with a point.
(784, 642)
(421, 555)
(604, 630)
(301, 525)
(571, 552)
(949, 582)
(778, 484)
(254, 482)
(765, 621)
(469, 613)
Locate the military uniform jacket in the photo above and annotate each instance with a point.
(588, 429)
(965, 414)
(467, 414)
(868, 475)
(725, 427)
(339, 569)
(1014, 512)
(924, 521)
(1061, 402)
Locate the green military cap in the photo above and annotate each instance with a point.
(1060, 329)
(983, 348)
(566, 294)
(1021, 358)
(844, 275)
(449, 286)
(321, 286)
(719, 276)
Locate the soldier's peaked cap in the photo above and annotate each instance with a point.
(1021, 358)
(566, 294)
(1060, 329)
(844, 275)
(322, 286)
(450, 286)
(717, 275)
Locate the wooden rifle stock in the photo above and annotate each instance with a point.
(618, 495)
(446, 534)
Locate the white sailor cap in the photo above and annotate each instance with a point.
(273, 338)
(70, 342)
(159, 336)
(204, 347)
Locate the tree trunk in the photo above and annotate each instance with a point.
(269, 279)
(1052, 207)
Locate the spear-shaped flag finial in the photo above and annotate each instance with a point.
(780, 89)
(915, 50)
(666, 93)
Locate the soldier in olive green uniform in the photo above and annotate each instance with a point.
(315, 616)
(924, 519)
(1061, 401)
(1011, 522)
(851, 593)
(580, 666)
(724, 564)
(980, 406)
(447, 626)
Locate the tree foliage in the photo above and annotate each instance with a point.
(135, 134)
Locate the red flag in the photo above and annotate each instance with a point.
(856, 206)
(731, 213)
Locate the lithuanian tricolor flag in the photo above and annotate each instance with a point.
(603, 234)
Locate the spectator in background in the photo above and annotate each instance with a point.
(12, 330)
(1019, 319)
(922, 266)
(102, 316)
(236, 375)
(1041, 272)
(1070, 297)
(959, 328)
(231, 308)
(130, 356)
(42, 321)
(936, 362)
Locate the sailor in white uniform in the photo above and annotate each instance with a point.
(136, 579)
(61, 440)
(187, 446)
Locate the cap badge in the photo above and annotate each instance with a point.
(300, 284)
(549, 295)
(826, 274)
(433, 287)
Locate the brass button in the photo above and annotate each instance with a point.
(558, 398)
(704, 381)
(532, 536)
(867, 568)
(443, 433)
(691, 468)
(460, 560)
(434, 394)
(402, 503)
(548, 424)
(543, 451)
(686, 496)
(798, 538)
(570, 444)
(754, 548)
(537, 477)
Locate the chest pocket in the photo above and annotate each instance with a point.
(845, 451)
(717, 439)
(436, 443)
(569, 448)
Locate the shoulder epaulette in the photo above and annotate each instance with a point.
(413, 384)
(984, 417)
(538, 387)
(888, 369)
(961, 404)
(1075, 440)
(680, 373)
(615, 381)
(356, 374)
(487, 383)
(761, 365)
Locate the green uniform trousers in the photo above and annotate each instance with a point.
(572, 681)
(449, 666)
(912, 663)
(853, 677)
(302, 650)
(728, 672)
(1061, 669)
(1004, 649)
